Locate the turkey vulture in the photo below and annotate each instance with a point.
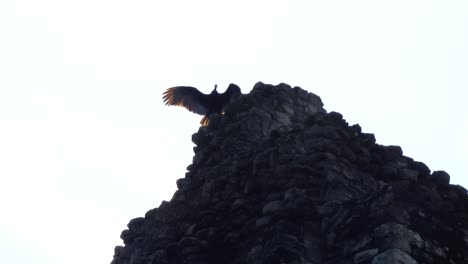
(200, 103)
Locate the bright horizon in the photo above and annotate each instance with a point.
(86, 143)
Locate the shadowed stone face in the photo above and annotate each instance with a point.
(393, 255)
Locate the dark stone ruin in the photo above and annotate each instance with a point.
(277, 179)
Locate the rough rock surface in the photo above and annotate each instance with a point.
(277, 179)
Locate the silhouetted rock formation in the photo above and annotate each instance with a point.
(277, 179)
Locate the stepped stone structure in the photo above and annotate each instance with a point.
(277, 179)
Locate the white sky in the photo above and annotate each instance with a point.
(86, 143)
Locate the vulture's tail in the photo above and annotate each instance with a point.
(205, 121)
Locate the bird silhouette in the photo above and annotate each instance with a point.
(200, 103)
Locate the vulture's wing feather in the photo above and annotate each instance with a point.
(233, 91)
(188, 97)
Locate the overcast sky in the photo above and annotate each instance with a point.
(86, 143)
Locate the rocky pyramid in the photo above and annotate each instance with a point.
(277, 179)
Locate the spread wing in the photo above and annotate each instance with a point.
(188, 97)
(233, 91)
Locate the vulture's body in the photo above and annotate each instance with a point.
(200, 103)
